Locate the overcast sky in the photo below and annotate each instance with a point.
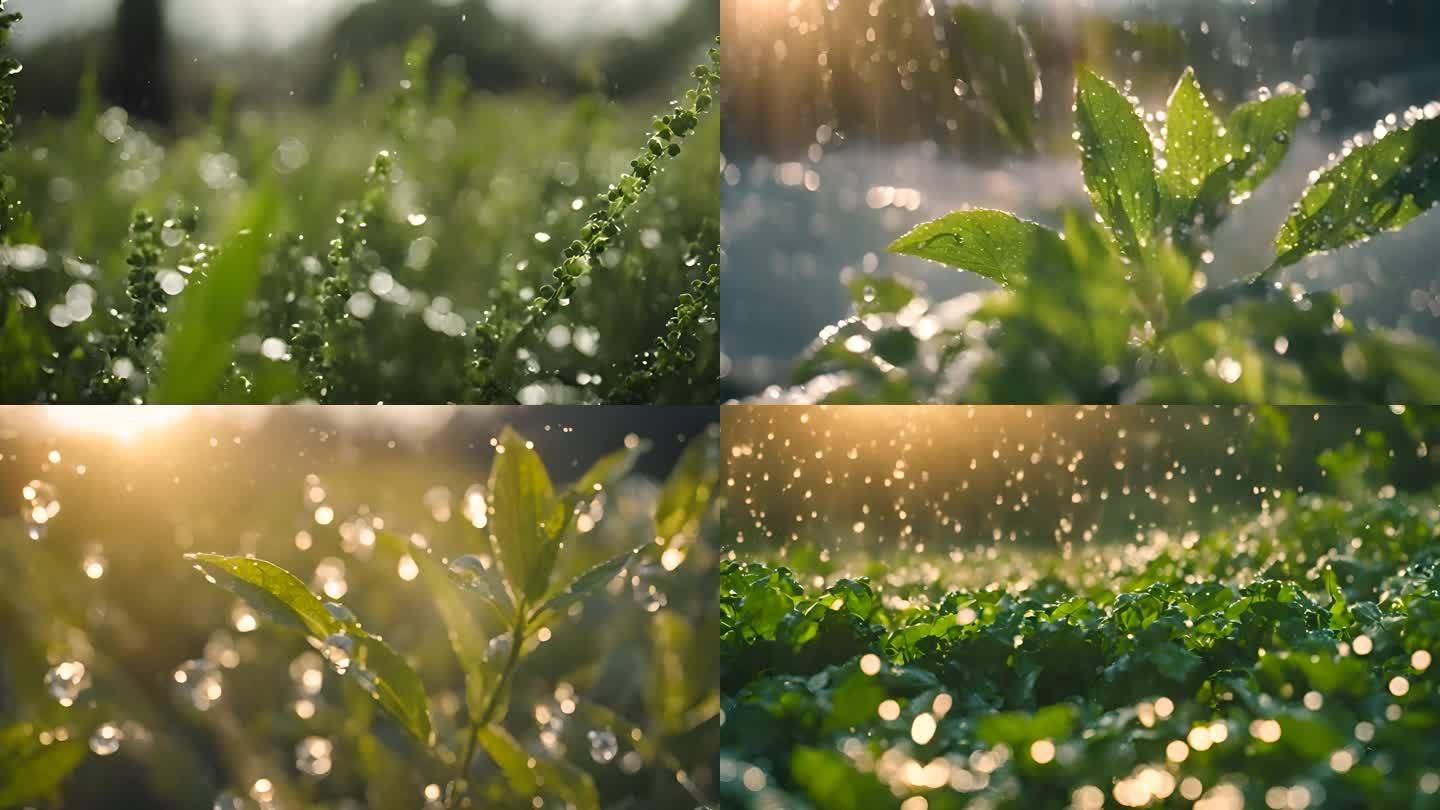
(281, 23)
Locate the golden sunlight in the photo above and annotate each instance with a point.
(122, 424)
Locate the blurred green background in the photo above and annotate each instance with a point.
(163, 59)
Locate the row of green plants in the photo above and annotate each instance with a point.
(1120, 304)
(498, 250)
(1285, 661)
(496, 718)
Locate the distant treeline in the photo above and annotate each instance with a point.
(144, 70)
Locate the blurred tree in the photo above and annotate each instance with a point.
(138, 78)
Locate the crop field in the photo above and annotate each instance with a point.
(342, 608)
(412, 239)
(1266, 649)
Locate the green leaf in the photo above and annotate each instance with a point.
(212, 312)
(835, 784)
(467, 637)
(1339, 609)
(1119, 163)
(281, 596)
(30, 771)
(590, 581)
(531, 775)
(990, 54)
(674, 652)
(993, 244)
(270, 589)
(1211, 166)
(1196, 146)
(686, 494)
(1018, 729)
(874, 295)
(1262, 132)
(608, 471)
(525, 516)
(1375, 188)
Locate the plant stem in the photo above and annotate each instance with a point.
(492, 704)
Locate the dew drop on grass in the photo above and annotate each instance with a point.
(603, 745)
(65, 681)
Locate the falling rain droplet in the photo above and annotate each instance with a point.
(603, 745)
(65, 681)
(313, 756)
(475, 508)
(42, 504)
(199, 682)
(106, 739)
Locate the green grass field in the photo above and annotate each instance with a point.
(410, 241)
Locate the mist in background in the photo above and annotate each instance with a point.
(163, 59)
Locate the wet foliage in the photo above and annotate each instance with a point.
(1198, 126)
(1117, 307)
(417, 641)
(1280, 658)
(412, 240)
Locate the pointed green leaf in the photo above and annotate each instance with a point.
(281, 596)
(212, 312)
(1258, 136)
(467, 637)
(525, 516)
(530, 775)
(676, 655)
(1378, 187)
(1119, 163)
(587, 583)
(30, 771)
(990, 54)
(1339, 609)
(993, 244)
(833, 782)
(880, 294)
(1263, 131)
(608, 471)
(687, 491)
(278, 594)
(1196, 146)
